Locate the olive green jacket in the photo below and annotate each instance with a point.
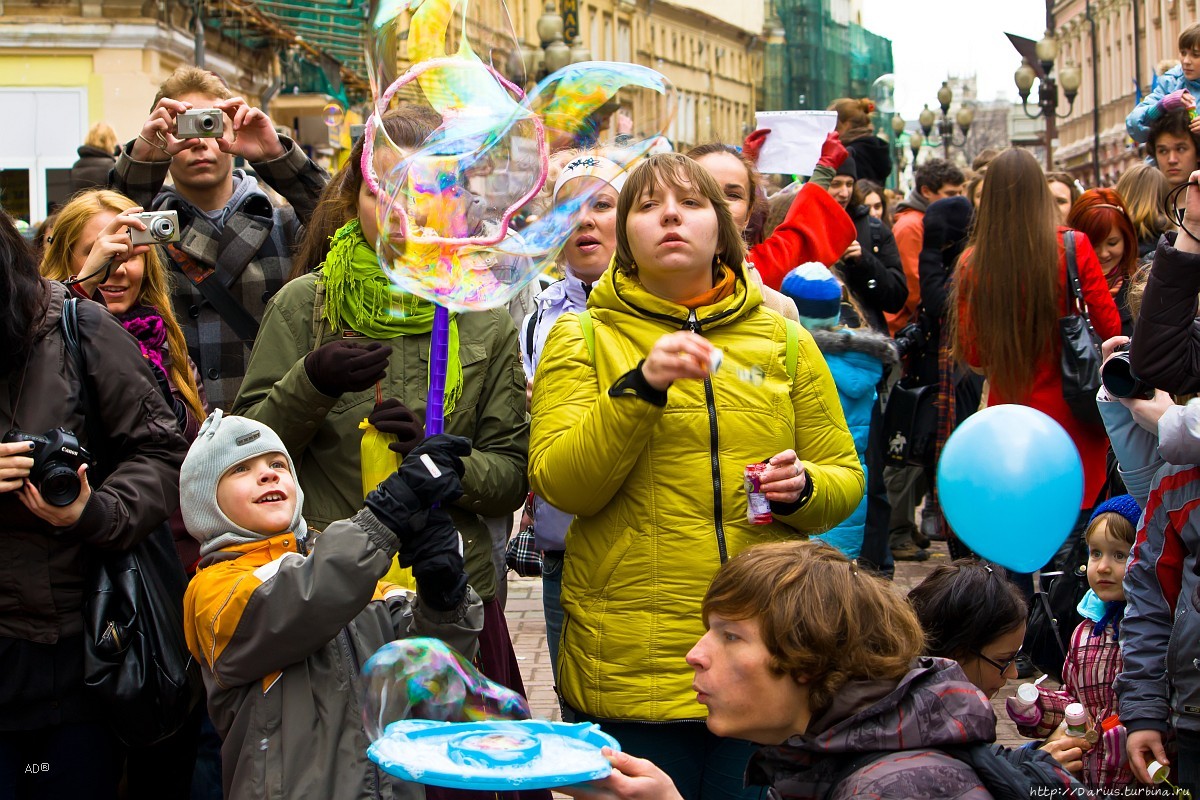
(322, 434)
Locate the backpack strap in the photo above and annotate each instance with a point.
(589, 334)
(318, 317)
(793, 348)
(535, 316)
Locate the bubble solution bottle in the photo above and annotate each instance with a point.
(1026, 698)
(1076, 717)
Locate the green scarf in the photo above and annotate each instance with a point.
(357, 291)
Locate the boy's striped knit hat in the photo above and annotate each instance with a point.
(817, 293)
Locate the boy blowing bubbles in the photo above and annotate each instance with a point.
(281, 618)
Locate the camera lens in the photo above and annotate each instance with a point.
(1118, 378)
(208, 123)
(59, 485)
(162, 228)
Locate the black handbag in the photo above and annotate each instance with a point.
(136, 663)
(910, 425)
(1053, 612)
(1080, 348)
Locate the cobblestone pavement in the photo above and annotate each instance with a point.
(528, 629)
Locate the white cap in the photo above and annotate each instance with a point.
(1158, 772)
(1027, 693)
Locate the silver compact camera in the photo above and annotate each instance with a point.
(161, 227)
(200, 123)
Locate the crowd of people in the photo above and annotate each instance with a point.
(723, 419)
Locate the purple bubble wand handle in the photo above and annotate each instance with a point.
(439, 354)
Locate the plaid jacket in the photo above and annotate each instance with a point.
(1092, 665)
(251, 253)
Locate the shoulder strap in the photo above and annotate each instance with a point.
(530, 329)
(318, 317)
(208, 283)
(69, 323)
(793, 348)
(589, 334)
(1073, 285)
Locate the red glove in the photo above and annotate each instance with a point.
(754, 143)
(833, 152)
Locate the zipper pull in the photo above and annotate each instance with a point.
(692, 323)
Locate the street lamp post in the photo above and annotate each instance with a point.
(1069, 76)
(915, 142)
(945, 125)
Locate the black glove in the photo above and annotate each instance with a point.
(947, 222)
(392, 416)
(401, 500)
(446, 452)
(343, 366)
(437, 562)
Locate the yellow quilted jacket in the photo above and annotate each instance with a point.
(658, 492)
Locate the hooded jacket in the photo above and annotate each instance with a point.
(657, 487)
(872, 156)
(91, 169)
(249, 249)
(1166, 337)
(857, 360)
(42, 568)
(1159, 687)
(281, 627)
(931, 707)
(322, 434)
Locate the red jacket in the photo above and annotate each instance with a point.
(1045, 393)
(816, 228)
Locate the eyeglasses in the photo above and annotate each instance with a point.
(1000, 665)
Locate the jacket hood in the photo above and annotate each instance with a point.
(933, 705)
(87, 151)
(625, 293)
(246, 193)
(914, 201)
(863, 340)
(863, 355)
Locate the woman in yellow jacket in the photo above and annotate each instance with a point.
(636, 435)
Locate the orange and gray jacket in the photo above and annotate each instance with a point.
(281, 629)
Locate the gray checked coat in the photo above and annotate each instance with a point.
(250, 252)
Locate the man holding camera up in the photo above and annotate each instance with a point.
(234, 246)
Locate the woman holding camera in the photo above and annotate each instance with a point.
(46, 717)
(1011, 286)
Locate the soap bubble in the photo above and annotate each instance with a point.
(424, 678)
(446, 210)
(333, 115)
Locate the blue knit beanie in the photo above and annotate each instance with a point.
(1122, 504)
(817, 293)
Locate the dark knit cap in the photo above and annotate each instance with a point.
(848, 167)
(1122, 504)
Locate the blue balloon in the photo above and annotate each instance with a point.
(1010, 483)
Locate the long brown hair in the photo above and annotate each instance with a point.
(155, 291)
(1008, 288)
(407, 126)
(1144, 189)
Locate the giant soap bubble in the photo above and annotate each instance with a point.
(424, 678)
(446, 209)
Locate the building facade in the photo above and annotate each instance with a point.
(818, 51)
(1132, 39)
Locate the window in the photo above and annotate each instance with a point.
(36, 156)
(624, 42)
(608, 44)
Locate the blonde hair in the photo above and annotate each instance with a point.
(822, 619)
(155, 292)
(678, 172)
(1144, 189)
(193, 80)
(102, 137)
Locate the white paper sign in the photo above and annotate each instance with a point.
(795, 141)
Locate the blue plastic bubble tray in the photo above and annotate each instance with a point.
(498, 755)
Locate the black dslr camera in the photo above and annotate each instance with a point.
(57, 457)
(1119, 379)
